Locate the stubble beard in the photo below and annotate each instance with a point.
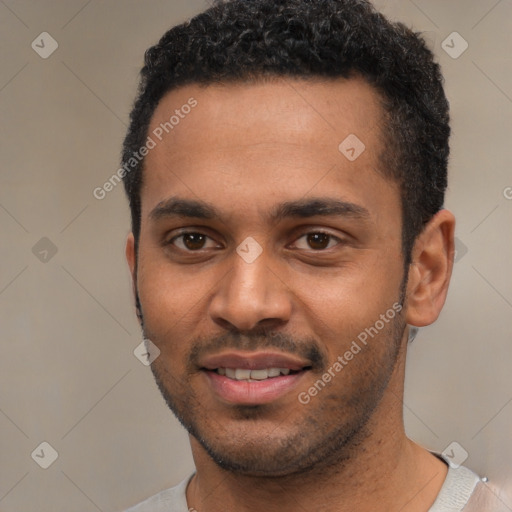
(325, 440)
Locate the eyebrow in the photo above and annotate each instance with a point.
(176, 207)
(302, 208)
(325, 207)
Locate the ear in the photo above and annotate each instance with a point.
(430, 270)
(130, 255)
(131, 258)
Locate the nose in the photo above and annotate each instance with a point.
(251, 295)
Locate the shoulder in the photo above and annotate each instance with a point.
(173, 499)
(464, 491)
(486, 498)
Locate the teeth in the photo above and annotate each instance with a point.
(252, 375)
(259, 374)
(242, 374)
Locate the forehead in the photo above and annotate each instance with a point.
(247, 146)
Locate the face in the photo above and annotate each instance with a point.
(268, 255)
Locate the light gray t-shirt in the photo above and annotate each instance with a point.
(462, 491)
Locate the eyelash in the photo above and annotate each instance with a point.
(185, 233)
(314, 232)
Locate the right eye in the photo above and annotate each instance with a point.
(191, 241)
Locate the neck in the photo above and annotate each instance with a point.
(384, 471)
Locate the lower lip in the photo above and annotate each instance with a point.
(252, 393)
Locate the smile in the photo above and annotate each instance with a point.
(253, 375)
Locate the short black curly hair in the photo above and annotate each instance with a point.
(241, 40)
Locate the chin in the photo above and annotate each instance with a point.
(270, 451)
(255, 463)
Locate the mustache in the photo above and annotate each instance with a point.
(306, 348)
(257, 339)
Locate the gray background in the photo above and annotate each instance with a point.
(68, 375)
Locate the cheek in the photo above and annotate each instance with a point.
(171, 300)
(339, 308)
(359, 290)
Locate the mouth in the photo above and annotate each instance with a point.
(255, 375)
(253, 378)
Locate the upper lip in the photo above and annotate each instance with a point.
(253, 361)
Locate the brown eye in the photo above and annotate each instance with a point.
(190, 241)
(318, 240)
(194, 241)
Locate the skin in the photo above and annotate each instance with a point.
(244, 149)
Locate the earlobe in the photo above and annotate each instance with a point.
(430, 270)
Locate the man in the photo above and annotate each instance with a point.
(286, 167)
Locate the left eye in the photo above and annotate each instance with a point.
(191, 241)
(319, 240)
